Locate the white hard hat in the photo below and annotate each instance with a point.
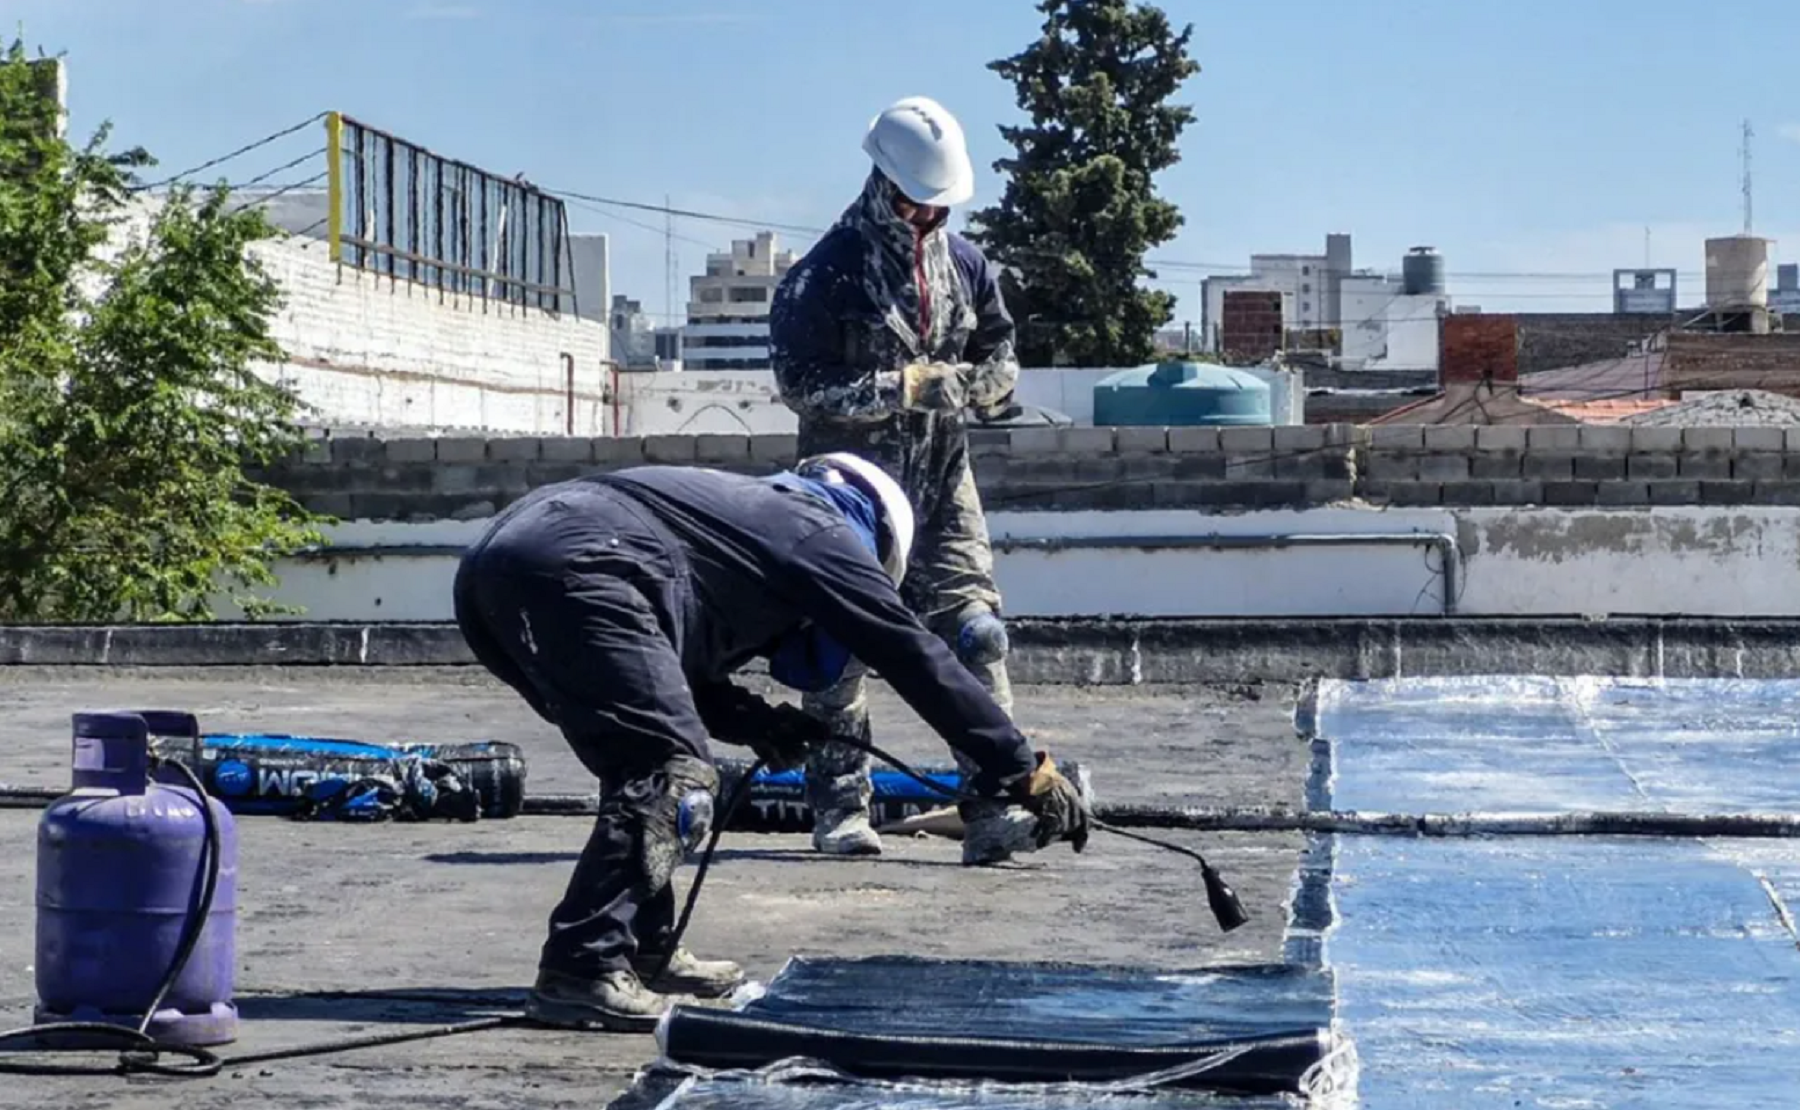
(890, 502)
(919, 145)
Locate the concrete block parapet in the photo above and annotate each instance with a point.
(406, 476)
(1085, 652)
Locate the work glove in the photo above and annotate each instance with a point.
(785, 742)
(1061, 811)
(934, 386)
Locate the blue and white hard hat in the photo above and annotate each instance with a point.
(891, 505)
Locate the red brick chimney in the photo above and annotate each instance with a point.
(1477, 347)
(1251, 326)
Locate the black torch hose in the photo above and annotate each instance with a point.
(1226, 908)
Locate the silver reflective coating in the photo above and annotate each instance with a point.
(1586, 971)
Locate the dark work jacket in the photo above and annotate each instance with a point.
(750, 559)
(837, 355)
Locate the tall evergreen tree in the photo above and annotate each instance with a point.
(1080, 207)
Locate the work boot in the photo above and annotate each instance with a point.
(688, 974)
(992, 833)
(616, 1001)
(846, 833)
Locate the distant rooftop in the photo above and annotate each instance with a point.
(1735, 408)
(1610, 410)
(1633, 376)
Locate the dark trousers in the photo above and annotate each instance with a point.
(949, 579)
(556, 605)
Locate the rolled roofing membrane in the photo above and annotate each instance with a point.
(1557, 972)
(1469, 971)
(1012, 1034)
(728, 1092)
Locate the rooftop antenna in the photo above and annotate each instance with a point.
(1748, 135)
(1646, 247)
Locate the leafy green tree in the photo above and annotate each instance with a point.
(130, 406)
(1080, 208)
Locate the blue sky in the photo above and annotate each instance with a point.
(1524, 139)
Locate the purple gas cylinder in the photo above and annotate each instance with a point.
(122, 863)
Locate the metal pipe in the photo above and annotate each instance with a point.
(414, 244)
(1443, 542)
(1749, 826)
(334, 185)
(1352, 822)
(569, 409)
(388, 204)
(618, 401)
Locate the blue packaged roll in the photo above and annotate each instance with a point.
(777, 801)
(328, 778)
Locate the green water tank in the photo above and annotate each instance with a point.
(1182, 393)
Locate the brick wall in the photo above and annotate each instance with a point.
(370, 351)
(1478, 348)
(1552, 340)
(1733, 360)
(1215, 469)
(1250, 326)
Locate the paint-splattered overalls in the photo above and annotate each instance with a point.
(873, 296)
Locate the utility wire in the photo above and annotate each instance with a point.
(1223, 268)
(262, 177)
(665, 210)
(285, 189)
(652, 228)
(223, 158)
(310, 228)
(1153, 262)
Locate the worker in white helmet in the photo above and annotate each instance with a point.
(882, 338)
(619, 605)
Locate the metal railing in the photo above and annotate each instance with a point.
(399, 210)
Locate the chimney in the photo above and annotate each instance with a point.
(53, 86)
(1252, 326)
(1477, 348)
(50, 83)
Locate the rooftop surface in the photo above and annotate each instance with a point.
(1506, 971)
(459, 910)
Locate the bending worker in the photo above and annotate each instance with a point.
(618, 605)
(880, 338)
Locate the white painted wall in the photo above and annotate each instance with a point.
(1412, 332)
(1515, 562)
(701, 402)
(1302, 281)
(1068, 390)
(1365, 308)
(1287, 394)
(366, 350)
(743, 402)
(590, 271)
(369, 351)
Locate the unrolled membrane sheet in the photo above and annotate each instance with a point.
(1555, 971)
(1452, 745)
(667, 1088)
(939, 1026)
